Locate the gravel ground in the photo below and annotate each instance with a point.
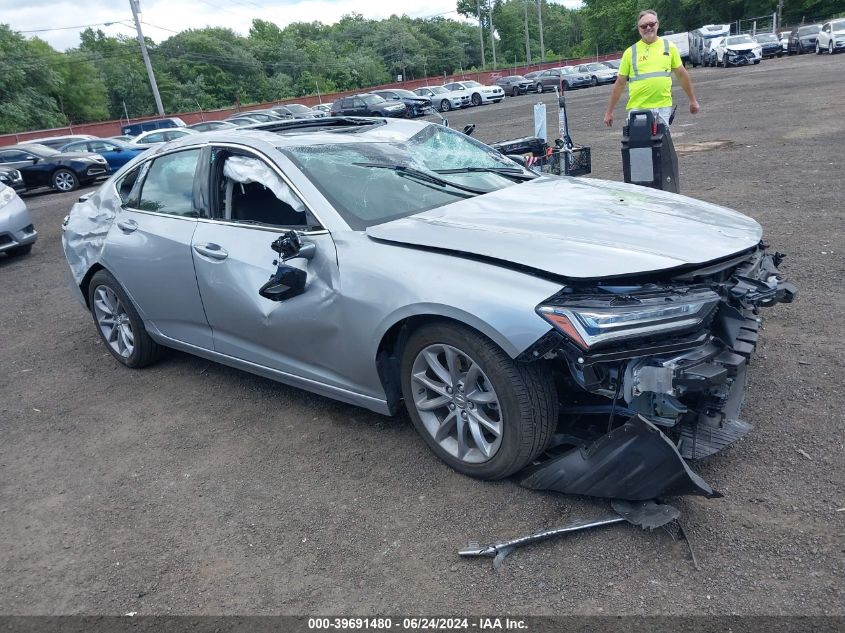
(192, 488)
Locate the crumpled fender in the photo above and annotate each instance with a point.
(635, 462)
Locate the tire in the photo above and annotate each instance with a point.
(490, 427)
(594, 82)
(514, 91)
(19, 251)
(540, 88)
(830, 50)
(476, 99)
(780, 55)
(818, 49)
(445, 105)
(756, 61)
(725, 60)
(64, 180)
(566, 85)
(127, 340)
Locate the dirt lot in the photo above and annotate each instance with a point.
(193, 488)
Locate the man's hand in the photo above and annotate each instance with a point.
(608, 118)
(694, 107)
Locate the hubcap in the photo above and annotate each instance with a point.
(64, 181)
(113, 321)
(457, 403)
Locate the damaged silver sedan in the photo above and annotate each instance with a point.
(589, 336)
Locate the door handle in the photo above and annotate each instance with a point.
(127, 226)
(214, 251)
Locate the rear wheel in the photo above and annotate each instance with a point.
(482, 413)
(119, 324)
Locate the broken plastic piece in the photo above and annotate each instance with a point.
(634, 461)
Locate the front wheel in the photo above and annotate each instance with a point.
(830, 49)
(484, 414)
(514, 91)
(119, 324)
(818, 49)
(445, 105)
(540, 88)
(65, 180)
(476, 99)
(725, 60)
(594, 82)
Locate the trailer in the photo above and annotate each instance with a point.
(681, 41)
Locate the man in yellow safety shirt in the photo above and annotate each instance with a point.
(647, 67)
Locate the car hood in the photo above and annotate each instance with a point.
(741, 47)
(580, 228)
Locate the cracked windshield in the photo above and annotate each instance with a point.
(372, 183)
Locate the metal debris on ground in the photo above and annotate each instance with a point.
(646, 514)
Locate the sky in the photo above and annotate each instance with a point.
(59, 22)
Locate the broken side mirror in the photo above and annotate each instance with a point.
(286, 282)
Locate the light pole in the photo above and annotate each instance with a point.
(134, 5)
(480, 32)
(540, 18)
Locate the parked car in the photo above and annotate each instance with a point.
(367, 105)
(206, 126)
(599, 73)
(831, 37)
(323, 108)
(57, 142)
(514, 85)
(613, 63)
(17, 233)
(383, 262)
(12, 178)
(770, 45)
(783, 38)
(552, 78)
(415, 104)
(532, 75)
(445, 100)
(709, 55)
(738, 50)
(43, 166)
(117, 154)
(121, 137)
(134, 129)
(156, 137)
(257, 116)
(803, 39)
(296, 110)
(478, 93)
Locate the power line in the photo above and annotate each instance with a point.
(67, 28)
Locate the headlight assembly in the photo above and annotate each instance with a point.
(591, 322)
(7, 194)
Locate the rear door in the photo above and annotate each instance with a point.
(148, 248)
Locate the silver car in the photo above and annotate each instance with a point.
(574, 327)
(17, 233)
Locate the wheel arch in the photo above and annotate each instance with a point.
(85, 284)
(395, 334)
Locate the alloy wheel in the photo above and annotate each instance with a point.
(113, 321)
(456, 403)
(64, 181)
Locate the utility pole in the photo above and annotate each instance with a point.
(780, 15)
(527, 41)
(540, 18)
(134, 5)
(492, 30)
(480, 33)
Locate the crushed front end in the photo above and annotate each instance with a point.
(651, 371)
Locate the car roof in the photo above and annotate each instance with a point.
(298, 132)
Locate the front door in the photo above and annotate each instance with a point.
(252, 205)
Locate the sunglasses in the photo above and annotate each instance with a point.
(647, 25)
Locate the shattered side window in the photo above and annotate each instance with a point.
(251, 192)
(125, 184)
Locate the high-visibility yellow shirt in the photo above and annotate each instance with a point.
(651, 85)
